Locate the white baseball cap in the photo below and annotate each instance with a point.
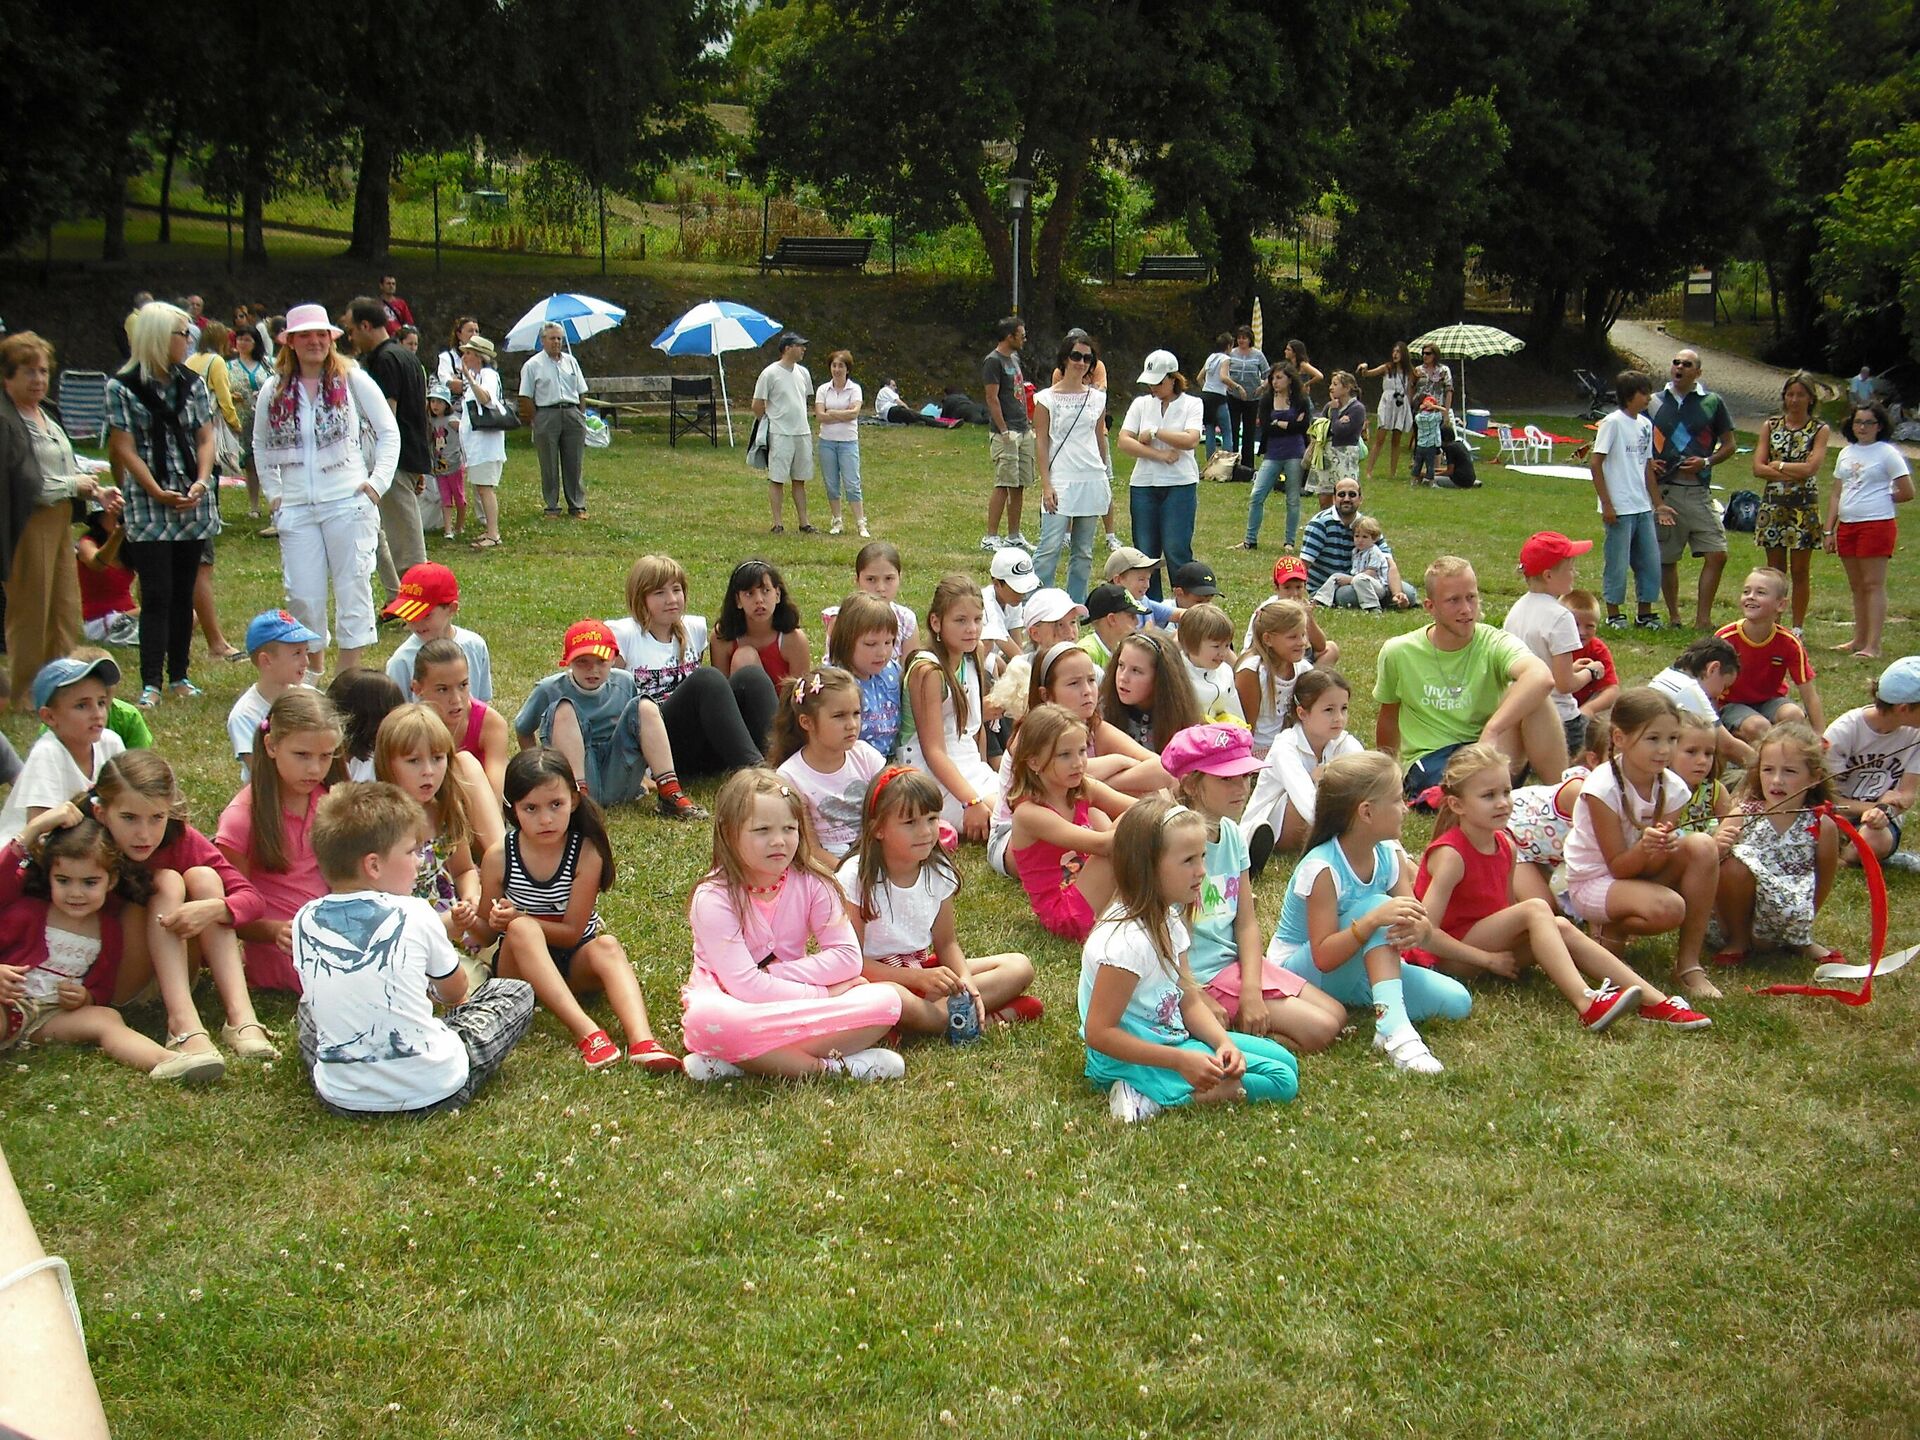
(1015, 567)
(1043, 607)
(1160, 364)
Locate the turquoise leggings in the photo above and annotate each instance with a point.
(1426, 993)
(1272, 1072)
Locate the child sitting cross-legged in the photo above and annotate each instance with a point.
(373, 959)
(1484, 924)
(816, 743)
(1781, 866)
(900, 883)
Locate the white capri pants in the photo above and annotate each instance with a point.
(335, 542)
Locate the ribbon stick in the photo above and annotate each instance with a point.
(1877, 933)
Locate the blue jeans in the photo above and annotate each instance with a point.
(1632, 542)
(1218, 419)
(1162, 517)
(1271, 470)
(1056, 532)
(840, 468)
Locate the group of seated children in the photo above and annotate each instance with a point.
(384, 850)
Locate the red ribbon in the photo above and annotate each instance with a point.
(1877, 933)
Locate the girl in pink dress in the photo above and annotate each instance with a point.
(1062, 841)
(757, 1001)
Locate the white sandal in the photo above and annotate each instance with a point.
(1408, 1051)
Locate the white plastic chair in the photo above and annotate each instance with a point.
(1539, 447)
(1512, 447)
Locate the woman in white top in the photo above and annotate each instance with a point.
(486, 450)
(324, 496)
(836, 405)
(446, 365)
(1395, 415)
(1870, 478)
(1070, 453)
(1160, 432)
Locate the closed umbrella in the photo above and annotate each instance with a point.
(1469, 342)
(714, 327)
(1259, 327)
(580, 316)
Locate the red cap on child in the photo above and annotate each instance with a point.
(421, 588)
(588, 637)
(1547, 549)
(1289, 567)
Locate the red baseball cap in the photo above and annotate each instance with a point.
(1547, 549)
(421, 588)
(588, 637)
(1289, 567)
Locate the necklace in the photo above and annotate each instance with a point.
(773, 889)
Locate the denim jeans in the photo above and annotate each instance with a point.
(1632, 543)
(1056, 533)
(840, 468)
(1217, 419)
(1162, 517)
(1271, 471)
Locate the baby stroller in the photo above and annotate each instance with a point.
(1593, 393)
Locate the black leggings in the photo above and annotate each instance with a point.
(167, 570)
(716, 724)
(1244, 415)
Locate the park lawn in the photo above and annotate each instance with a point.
(1563, 1235)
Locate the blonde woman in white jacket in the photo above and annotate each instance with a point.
(307, 427)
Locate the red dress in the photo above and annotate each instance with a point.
(1486, 887)
(1048, 872)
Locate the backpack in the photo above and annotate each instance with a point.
(1743, 511)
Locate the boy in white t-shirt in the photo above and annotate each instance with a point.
(429, 598)
(372, 960)
(1698, 677)
(1874, 754)
(1548, 628)
(1002, 629)
(277, 644)
(1629, 494)
(72, 697)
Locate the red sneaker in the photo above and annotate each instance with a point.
(649, 1056)
(1608, 1006)
(1671, 1011)
(1020, 1008)
(598, 1050)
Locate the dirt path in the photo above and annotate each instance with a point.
(1751, 390)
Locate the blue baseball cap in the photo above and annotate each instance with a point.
(271, 626)
(1899, 682)
(57, 674)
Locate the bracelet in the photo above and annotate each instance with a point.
(1353, 928)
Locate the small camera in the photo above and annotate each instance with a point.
(963, 1020)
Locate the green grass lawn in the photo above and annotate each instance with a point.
(1669, 1235)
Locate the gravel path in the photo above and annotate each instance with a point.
(1751, 390)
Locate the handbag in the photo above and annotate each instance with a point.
(480, 417)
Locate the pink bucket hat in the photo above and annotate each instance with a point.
(1213, 750)
(311, 317)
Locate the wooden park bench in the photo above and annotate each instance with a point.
(1173, 267)
(818, 252)
(617, 395)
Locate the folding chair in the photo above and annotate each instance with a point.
(1512, 447)
(83, 404)
(692, 409)
(1539, 446)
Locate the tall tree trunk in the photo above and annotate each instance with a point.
(1804, 308)
(372, 213)
(1548, 309)
(113, 210)
(253, 204)
(1050, 247)
(1449, 295)
(993, 230)
(1234, 240)
(171, 154)
(1594, 320)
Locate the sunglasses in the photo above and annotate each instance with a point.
(1686, 364)
(1085, 357)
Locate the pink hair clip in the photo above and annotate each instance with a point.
(264, 721)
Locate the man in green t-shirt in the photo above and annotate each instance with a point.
(1457, 681)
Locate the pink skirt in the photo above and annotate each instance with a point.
(1065, 912)
(715, 1024)
(1276, 983)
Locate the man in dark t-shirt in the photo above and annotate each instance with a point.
(1011, 444)
(396, 370)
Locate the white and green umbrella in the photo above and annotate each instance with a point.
(1469, 342)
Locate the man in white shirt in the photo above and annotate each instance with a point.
(554, 382)
(782, 394)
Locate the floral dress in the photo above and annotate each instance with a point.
(1783, 869)
(244, 379)
(1789, 517)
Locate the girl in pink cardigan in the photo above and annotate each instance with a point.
(757, 1001)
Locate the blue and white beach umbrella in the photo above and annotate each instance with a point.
(580, 316)
(714, 327)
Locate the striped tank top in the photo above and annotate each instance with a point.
(546, 898)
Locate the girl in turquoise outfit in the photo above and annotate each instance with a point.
(1350, 911)
(1152, 1040)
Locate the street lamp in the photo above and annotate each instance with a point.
(1019, 191)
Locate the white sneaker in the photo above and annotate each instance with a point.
(863, 531)
(1113, 540)
(1020, 540)
(1902, 860)
(878, 1063)
(1408, 1052)
(1129, 1106)
(834, 528)
(705, 1067)
(989, 542)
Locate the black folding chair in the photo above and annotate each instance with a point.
(693, 411)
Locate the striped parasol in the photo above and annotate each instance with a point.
(1469, 342)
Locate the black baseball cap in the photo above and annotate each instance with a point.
(1105, 600)
(1195, 579)
(790, 338)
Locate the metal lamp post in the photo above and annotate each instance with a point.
(1019, 191)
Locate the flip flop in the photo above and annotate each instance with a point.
(484, 543)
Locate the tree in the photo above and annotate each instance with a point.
(1870, 254)
(52, 111)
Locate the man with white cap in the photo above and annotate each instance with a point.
(1002, 629)
(1161, 430)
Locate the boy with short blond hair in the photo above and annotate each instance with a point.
(277, 645)
(372, 959)
(1771, 656)
(429, 598)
